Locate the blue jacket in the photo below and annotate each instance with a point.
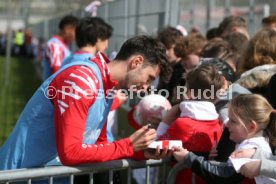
(32, 141)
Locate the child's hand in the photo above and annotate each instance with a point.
(251, 169)
(171, 115)
(180, 153)
(213, 153)
(157, 153)
(244, 153)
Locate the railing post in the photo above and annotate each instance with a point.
(71, 178)
(164, 170)
(51, 180)
(91, 178)
(148, 174)
(129, 175)
(110, 176)
(49, 174)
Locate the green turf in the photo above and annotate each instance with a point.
(14, 95)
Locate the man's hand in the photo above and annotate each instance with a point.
(142, 138)
(157, 153)
(251, 169)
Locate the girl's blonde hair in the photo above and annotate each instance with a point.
(250, 107)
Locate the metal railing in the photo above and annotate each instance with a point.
(174, 171)
(51, 172)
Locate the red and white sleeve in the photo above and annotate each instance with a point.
(76, 89)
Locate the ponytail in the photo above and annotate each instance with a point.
(271, 130)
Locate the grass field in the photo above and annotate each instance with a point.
(14, 95)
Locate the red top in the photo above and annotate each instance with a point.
(55, 53)
(76, 88)
(131, 119)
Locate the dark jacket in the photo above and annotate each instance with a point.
(212, 172)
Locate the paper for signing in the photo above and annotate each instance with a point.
(239, 162)
(165, 143)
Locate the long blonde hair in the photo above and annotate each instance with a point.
(250, 107)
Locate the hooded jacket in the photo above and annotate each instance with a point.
(196, 128)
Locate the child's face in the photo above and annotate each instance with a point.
(171, 55)
(238, 131)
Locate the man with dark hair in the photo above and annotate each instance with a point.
(65, 120)
(233, 24)
(57, 48)
(269, 22)
(96, 31)
(92, 36)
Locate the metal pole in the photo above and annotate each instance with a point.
(110, 177)
(26, 13)
(147, 174)
(8, 47)
(266, 11)
(51, 180)
(82, 12)
(137, 2)
(46, 29)
(106, 11)
(192, 13)
(251, 15)
(129, 174)
(91, 178)
(174, 13)
(227, 6)
(167, 13)
(126, 20)
(208, 13)
(71, 178)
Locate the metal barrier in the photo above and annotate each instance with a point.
(174, 171)
(51, 172)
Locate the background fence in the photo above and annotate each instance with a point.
(135, 17)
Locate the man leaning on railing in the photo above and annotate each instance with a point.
(65, 120)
